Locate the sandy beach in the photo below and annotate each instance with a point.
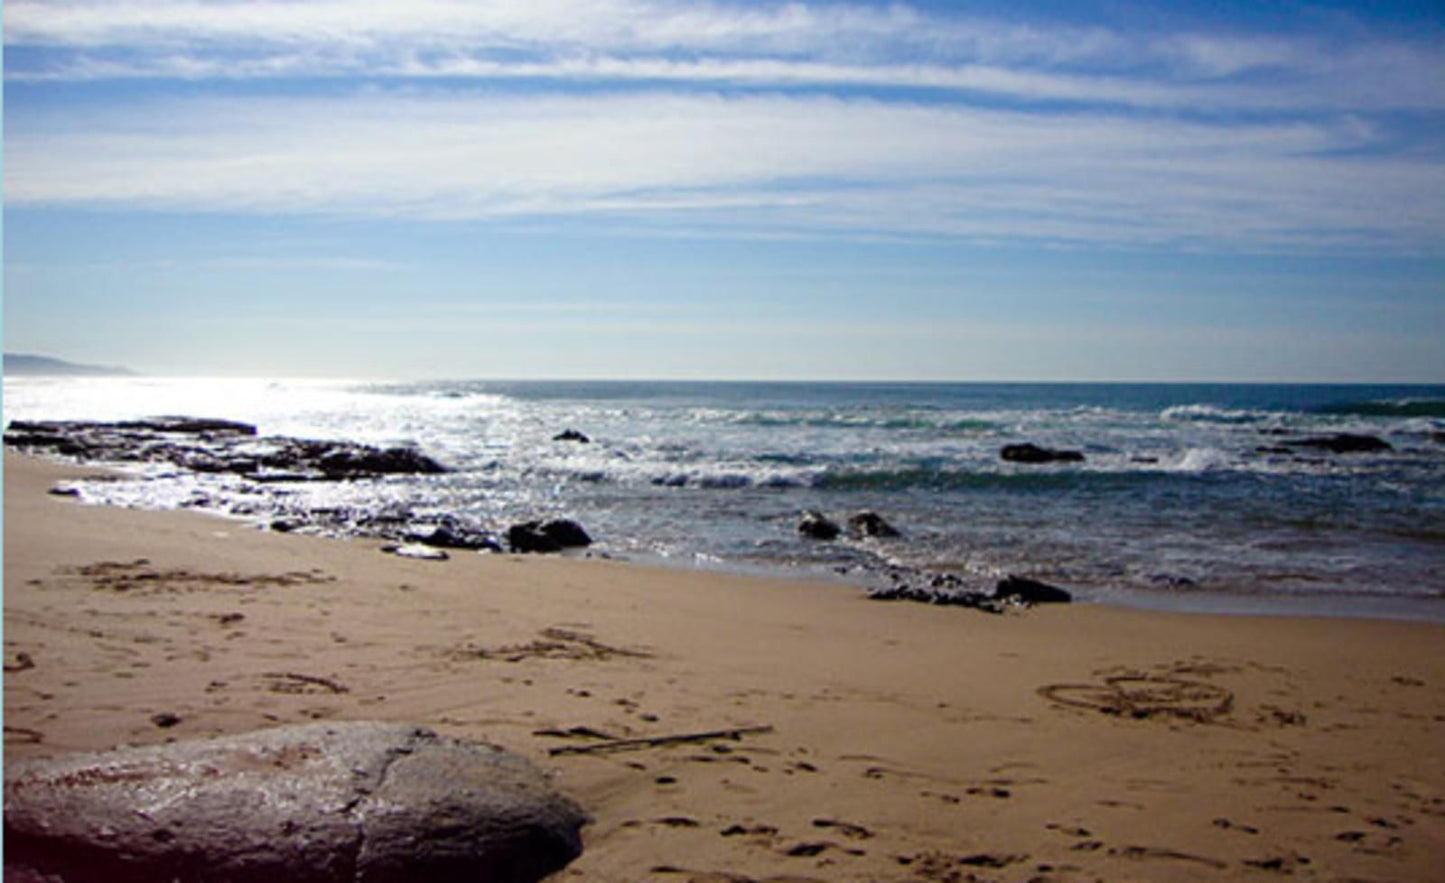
(896, 742)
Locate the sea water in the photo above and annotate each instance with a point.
(1185, 498)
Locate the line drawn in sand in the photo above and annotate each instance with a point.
(1143, 697)
(554, 643)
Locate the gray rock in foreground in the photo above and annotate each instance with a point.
(358, 802)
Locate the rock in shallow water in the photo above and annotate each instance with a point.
(1033, 454)
(815, 525)
(871, 524)
(368, 802)
(1342, 443)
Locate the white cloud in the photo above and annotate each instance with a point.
(753, 165)
(1204, 140)
(758, 45)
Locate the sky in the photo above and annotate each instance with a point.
(1233, 191)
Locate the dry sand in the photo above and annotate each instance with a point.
(907, 742)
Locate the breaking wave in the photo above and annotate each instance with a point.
(1387, 408)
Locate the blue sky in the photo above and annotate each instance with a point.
(627, 188)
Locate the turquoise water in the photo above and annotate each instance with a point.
(1187, 496)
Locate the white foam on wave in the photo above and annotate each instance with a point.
(1202, 460)
(1212, 414)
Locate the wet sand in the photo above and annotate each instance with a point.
(899, 742)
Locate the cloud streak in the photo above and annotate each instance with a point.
(761, 119)
(760, 164)
(746, 45)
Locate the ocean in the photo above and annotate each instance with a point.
(1188, 497)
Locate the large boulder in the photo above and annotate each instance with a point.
(1033, 454)
(362, 461)
(871, 524)
(355, 802)
(817, 526)
(544, 537)
(567, 533)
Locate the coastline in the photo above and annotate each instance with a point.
(908, 742)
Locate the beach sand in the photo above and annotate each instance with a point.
(906, 743)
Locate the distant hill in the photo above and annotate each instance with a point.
(19, 365)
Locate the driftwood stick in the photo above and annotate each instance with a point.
(657, 741)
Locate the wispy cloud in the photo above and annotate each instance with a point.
(759, 119)
(774, 45)
(750, 163)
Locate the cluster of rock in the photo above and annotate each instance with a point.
(817, 526)
(229, 447)
(1339, 443)
(949, 590)
(318, 803)
(542, 536)
(218, 446)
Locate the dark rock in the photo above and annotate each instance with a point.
(571, 435)
(545, 537)
(360, 461)
(1032, 453)
(1031, 591)
(939, 597)
(566, 533)
(166, 719)
(527, 538)
(189, 426)
(218, 446)
(320, 803)
(1342, 443)
(871, 524)
(815, 525)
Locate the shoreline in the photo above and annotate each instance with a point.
(909, 742)
(1362, 605)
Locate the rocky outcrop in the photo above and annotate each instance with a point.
(871, 524)
(189, 426)
(940, 589)
(572, 435)
(218, 446)
(951, 590)
(817, 526)
(320, 803)
(547, 536)
(1033, 454)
